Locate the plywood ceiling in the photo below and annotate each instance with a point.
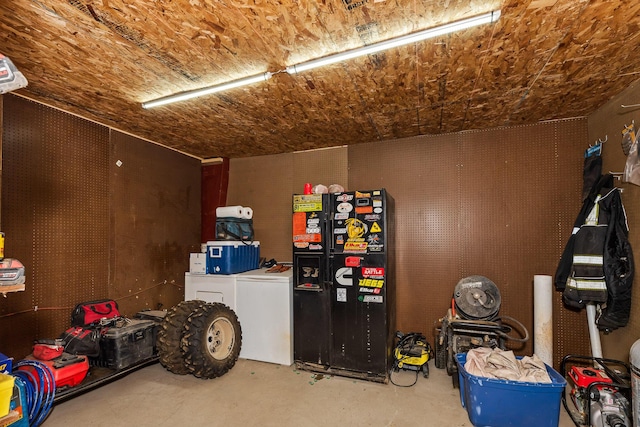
(544, 59)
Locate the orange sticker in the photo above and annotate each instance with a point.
(299, 223)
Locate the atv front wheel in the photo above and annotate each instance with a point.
(211, 340)
(170, 335)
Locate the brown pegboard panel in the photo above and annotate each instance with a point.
(326, 166)
(155, 222)
(607, 124)
(264, 184)
(55, 216)
(421, 175)
(500, 203)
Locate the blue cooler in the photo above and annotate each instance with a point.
(231, 256)
(503, 403)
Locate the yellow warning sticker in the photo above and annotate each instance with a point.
(375, 228)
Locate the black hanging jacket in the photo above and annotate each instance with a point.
(616, 262)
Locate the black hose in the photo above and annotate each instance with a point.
(506, 336)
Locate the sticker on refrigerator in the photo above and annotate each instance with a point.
(359, 194)
(356, 228)
(377, 210)
(307, 203)
(364, 210)
(339, 231)
(341, 295)
(370, 298)
(371, 283)
(375, 228)
(355, 247)
(344, 207)
(344, 276)
(341, 216)
(344, 197)
(373, 272)
(370, 290)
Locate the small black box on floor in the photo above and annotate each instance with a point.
(126, 345)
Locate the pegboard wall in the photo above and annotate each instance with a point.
(266, 184)
(499, 203)
(155, 221)
(86, 226)
(607, 124)
(55, 214)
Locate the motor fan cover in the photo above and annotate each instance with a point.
(477, 297)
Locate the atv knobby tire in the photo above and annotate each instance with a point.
(211, 340)
(170, 335)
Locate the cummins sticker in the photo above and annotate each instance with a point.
(370, 298)
(344, 276)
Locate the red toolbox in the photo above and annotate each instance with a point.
(68, 370)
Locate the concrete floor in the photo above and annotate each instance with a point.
(264, 394)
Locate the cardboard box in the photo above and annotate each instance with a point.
(198, 263)
(503, 403)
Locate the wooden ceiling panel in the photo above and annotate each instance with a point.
(543, 59)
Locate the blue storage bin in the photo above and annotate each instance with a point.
(231, 257)
(499, 403)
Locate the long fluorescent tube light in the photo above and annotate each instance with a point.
(485, 18)
(183, 96)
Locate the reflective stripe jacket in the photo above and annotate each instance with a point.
(579, 268)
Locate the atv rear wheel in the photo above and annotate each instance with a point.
(170, 335)
(211, 341)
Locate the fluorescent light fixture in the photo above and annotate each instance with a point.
(485, 18)
(183, 96)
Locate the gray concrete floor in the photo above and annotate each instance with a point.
(264, 394)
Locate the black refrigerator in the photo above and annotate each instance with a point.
(344, 283)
